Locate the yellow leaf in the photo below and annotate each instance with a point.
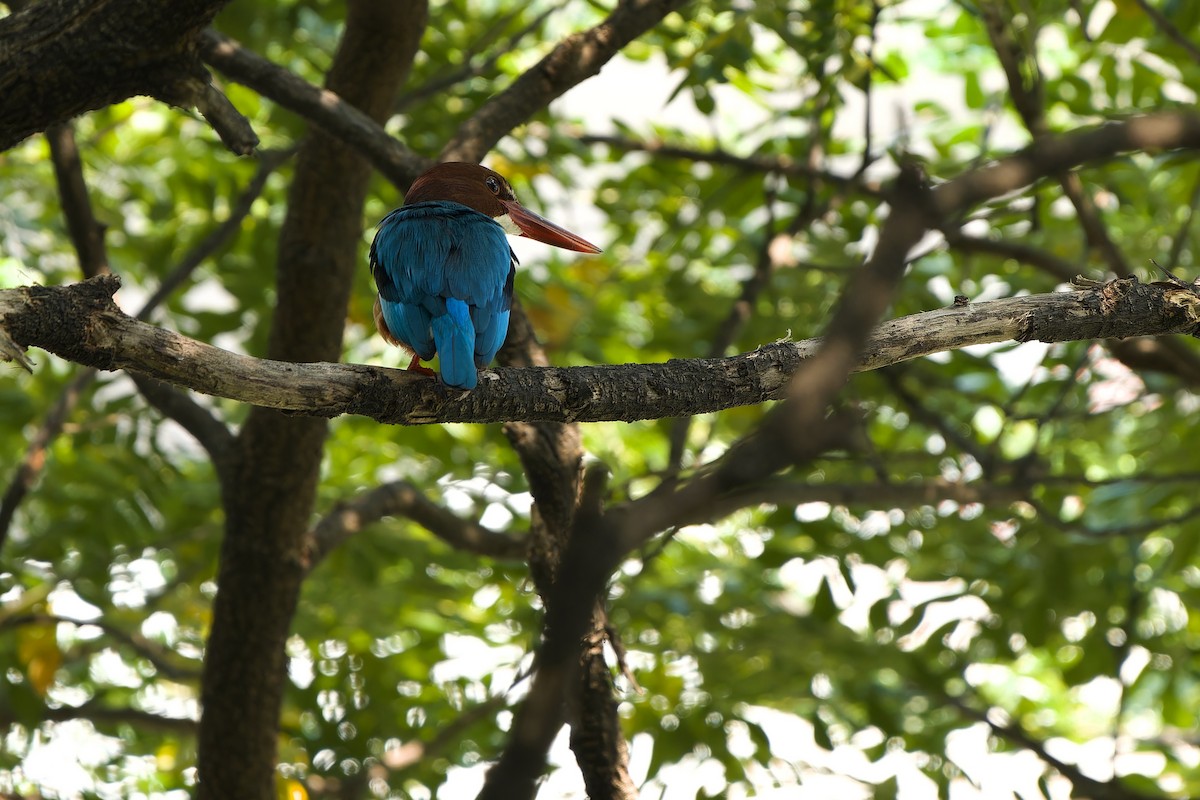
(289, 789)
(37, 650)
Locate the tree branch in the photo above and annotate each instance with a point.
(1014, 734)
(34, 460)
(402, 499)
(468, 70)
(322, 107)
(268, 162)
(102, 715)
(878, 495)
(1060, 268)
(209, 432)
(227, 121)
(767, 164)
(161, 658)
(1164, 24)
(87, 233)
(61, 58)
(80, 323)
(575, 59)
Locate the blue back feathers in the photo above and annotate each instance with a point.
(445, 278)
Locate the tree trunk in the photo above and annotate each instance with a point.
(270, 503)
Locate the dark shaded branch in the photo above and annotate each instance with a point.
(209, 432)
(1093, 225)
(1060, 268)
(1167, 356)
(268, 162)
(471, 70)
(402, 499)
(322, 107)
(34, 460)
(1027, 91)
(1019, 62)
(765, 266)
(1131, 530)
(86, 233)
(414, 751)
(1180, 239)
(1053, 154)
(1164, 24)
(212, 434)
(61, 58)
(227, 121)
(728, 330)
(783, 493)
(161, 658)
(103, 715)
(771, 165)
(1016, 735)
(575, 59)
(930, 418)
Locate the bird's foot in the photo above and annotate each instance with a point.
(415, 366)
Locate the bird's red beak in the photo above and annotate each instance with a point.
(542, 229)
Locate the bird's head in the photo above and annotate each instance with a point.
(487, 192)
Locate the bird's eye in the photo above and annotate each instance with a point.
(493, 184)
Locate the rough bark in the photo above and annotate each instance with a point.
(61, 58)
(269, 504)
(551, 454)
(81, 324)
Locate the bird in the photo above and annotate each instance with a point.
(444, 269)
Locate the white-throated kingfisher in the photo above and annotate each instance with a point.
(445, 271)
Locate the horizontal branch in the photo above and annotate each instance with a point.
(770, 164)
(102, 715)
(402, 499)
(164, 661)
(81, 323)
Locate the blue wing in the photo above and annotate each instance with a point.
(427, 256)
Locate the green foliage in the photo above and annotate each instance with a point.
(874, 626)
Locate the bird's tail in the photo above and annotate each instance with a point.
(454, 334)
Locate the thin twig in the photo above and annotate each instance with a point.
(1164, 24)
(778, 165)
(468, 70)
(161, 658)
